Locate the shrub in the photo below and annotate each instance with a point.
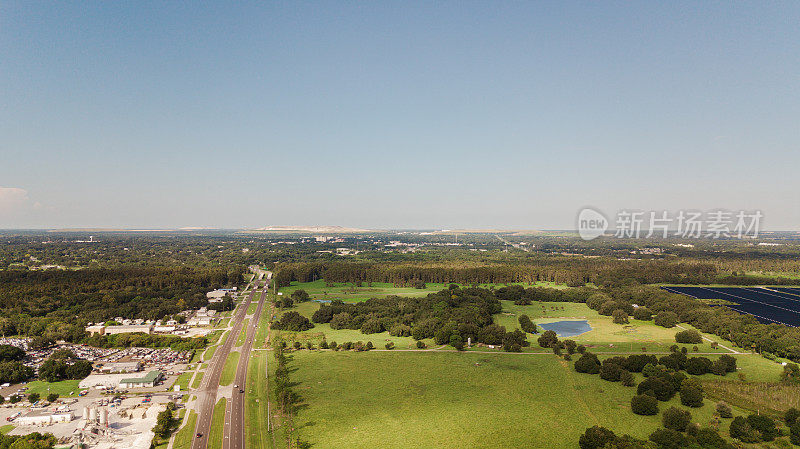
(527, 325)
(341, 321)
(675, 361)
(764, 425)
(657, 388)
(324, 344)
(676, 419)
(596, 438)
(400, 330)
(794, 433)
(791, 416)
(346, 346)
(709, 438)
(296, 345)
(742, 431)
(691, 396)
(14, 399)
(730, 362)
(627, 378)
(637, 362)
(457, 342)
(610, 371)
(719, 367)
(333, 345)
(724, 410)
(421, 344)
(642, 314)
(33, 397)
(369, 345)
(292, 321)
(52, 397)
(620, 317)
(389, 345)
(580, 349)
(698, 365)
(689, 336)
(570, 346)
(666, 319)
(668, 439)
(309, 345)
(643, 404)
(372, 326)
(588, 363)
(548, 339)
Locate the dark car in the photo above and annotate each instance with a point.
(199, 435)
(241, 391)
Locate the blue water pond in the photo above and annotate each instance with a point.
(567, 328)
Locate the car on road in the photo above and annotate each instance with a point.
(235, 386)
(199, 435)
(241, 391)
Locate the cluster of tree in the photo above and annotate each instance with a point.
(46, 303)
(63, 364)
(33, 440)
(527, 325)
(753, 429)
(689, 336)
(296, 297)
(792, 420)
(692, 436)
(166, 422)
(292, 321)
(142, 340)
(288, 399)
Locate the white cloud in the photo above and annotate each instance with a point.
(13, 200)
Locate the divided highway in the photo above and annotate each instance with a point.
(207, 394)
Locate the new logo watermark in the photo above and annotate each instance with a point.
(715, 224)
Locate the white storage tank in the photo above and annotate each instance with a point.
(92, 414)
(85, 413)
(103, 417)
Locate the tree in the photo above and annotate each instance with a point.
(724, 410)
(527, 325)
(719, 367)
(642, 314)
(698, 365)
(52, 397)
(730, 362)
(457, 342)
(372, 326)
(596, 437)
(791, 416)
(610, 371)
(741, 430)
(764, 425)
(627, 378)
(656, 387)
(293, 321)
(688, 336)
(666, 319)
(643, 404)
(691, 396)
(791, 373)
(548, 339)
(620, 316)
(10, 353)
(587, 363)
(676, 419)
(33, 397)
(668, 439)
(300, 295)
(794, 433)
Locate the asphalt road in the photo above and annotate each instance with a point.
(234, 413)
(207, 394)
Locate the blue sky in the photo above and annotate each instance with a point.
(395, 114)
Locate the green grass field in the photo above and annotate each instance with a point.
(4, 429)
(456, 400)
(348, 292)
(243, 332)
(209, 353)
(257, 435)
(217, 425)
(64, 388)
(183, 380)
(229, 370)
(183, 439)
(260, 339)
(197, 380)
(251, 309)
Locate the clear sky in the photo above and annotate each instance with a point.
(447, 114)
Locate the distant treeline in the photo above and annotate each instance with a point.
(573, 271)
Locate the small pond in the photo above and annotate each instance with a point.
(567, 328)
(322, 301)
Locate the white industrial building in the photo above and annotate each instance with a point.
(43, 417)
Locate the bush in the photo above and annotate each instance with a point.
(666, 319)
(719, 367)
(333, 345)
(596, 438)
(372, 326)
(676, 419)
(588, 363)
(527, 325)
(324, 344)
(730, 362)
(297, 345)
(698, 365)
(370, 346)
(52, 397)
(421, 345)
(457, 342)
(691, 396)
(668, 439)
(627, 378)
(620, 317)
(610, 371)
(637, 362)
(580, 349)
(689, 336)
(791, 416)
(764, 425)
(292, 321)
(642, 314)
(742, 431)
(794, 433)
(643, 404)
(400, 330)
(389, 345)
(33, 397)
(346, 346)
(724, 410)
(341, 321)
(656, 387)
(548, 339)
